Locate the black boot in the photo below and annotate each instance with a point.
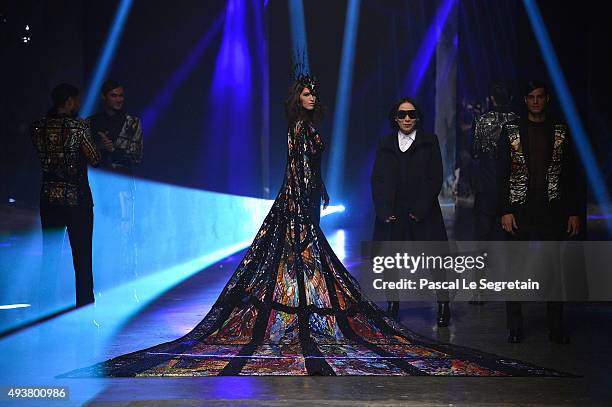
(393, 309)
(556, 331)
(444, 313)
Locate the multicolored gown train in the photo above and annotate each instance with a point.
(292, 308)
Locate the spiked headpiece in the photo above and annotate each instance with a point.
(301, 76)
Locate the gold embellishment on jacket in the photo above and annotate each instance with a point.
(60, 144)
(519, 175)
(553, 173)
(130, 139)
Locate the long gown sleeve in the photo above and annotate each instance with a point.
(303, 145)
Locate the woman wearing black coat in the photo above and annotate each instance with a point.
(406, 181)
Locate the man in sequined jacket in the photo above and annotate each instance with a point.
(119, 137)
(64, 145)
(540, 191)
(486, 131)
(117, 134)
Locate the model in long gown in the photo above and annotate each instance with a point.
(292, 308)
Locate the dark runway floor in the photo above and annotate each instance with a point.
(37, 355)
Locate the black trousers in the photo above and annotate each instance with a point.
(487, 227)
(79, 223)
(544, 231)
(401, 229)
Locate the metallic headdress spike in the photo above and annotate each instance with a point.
(301, 76)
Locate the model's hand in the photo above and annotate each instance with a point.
(508, 223)
(391, 218)
(413, 217)
(107, 144)
(573, 226)
(325, 200)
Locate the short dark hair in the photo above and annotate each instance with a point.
(502, 93)
(396, 105)
(535, 84)
(110, 85)
(62, 92)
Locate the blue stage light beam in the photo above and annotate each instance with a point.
(332, 209)
(106, 58)
(234, 92)
(98, 327)
(413, 80)
(264, 65)
(343, 100)
(152, 112)
(570, 111)
(298, 32)
(338, 244)
(172, 226)
(101, 327)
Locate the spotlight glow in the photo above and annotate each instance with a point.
(413, 80)
(343, 99)
(13, 306)
(332, 209)
(152, 112)
(338, 244)
(298, 31)
(106, 58)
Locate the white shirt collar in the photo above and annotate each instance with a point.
(405, 140)
(412, 135)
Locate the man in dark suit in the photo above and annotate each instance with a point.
(406, 181)
(540, 191)
(65, 145)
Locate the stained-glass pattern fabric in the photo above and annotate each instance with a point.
(64, 145)
(292, 308)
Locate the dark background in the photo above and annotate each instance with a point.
(187, 147)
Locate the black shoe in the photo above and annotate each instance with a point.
(444, 314)
(393, 309)
(558, 337)
(515, 336)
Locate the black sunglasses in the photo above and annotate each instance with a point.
(401, 114)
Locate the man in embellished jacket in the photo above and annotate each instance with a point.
(119, 137)
(64, 145)
(486, 131)
(540, 191)
(117, 134)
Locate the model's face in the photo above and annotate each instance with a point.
(536, 101)
(114, 99)
(307, 99)
(406, 117)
